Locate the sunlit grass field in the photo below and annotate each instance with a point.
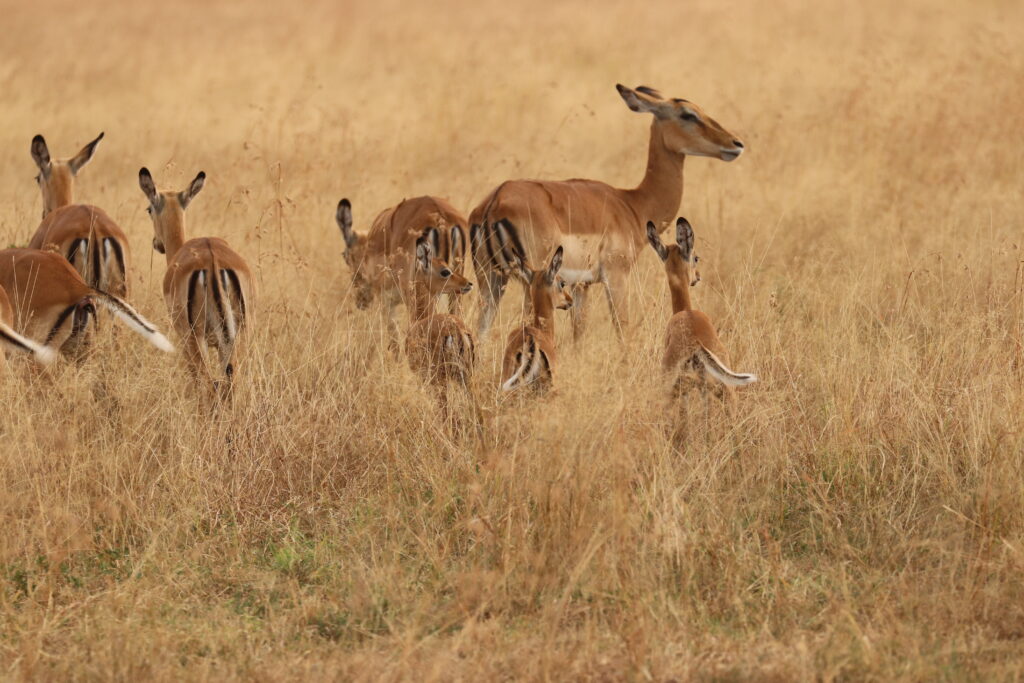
(861, 518)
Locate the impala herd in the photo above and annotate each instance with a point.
(556, 238)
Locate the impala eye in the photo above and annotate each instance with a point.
(446, 273)
(689, 116)
(149, 209)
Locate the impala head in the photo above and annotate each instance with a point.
(679, 258)
(435, 273)
(548, 281)
(356, 248)
(685, 127)
(167, 209)
(56, 177)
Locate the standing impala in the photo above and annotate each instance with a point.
(383, 260)
(439, 346)
(53, 304)
(530, 352)
(84, 234)
(693, 352)
(600, 227)
(208, 287)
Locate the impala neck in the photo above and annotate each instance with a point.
(679, 288)
(659, 194)
(173, 235)
(422, 301)
(543, 310)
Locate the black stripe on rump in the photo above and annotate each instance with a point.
(190, 303)
(60, 323)
(236, 284)
(115, 247)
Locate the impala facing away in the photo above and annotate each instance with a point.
(693, 352)
(600, 227)
(10, 339)
(383, 260)
(439, 346)
(530, 352)
(208, 287)
(84, 234)
(53, 304)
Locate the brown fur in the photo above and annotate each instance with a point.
(600, 227)
(65, 223)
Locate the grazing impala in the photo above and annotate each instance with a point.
(600, 227)
(693, 352)
(530, 352)
(84, 234)
(383, 260)
(439, 346)
(53, 304)
(14, 341)
(208, 287)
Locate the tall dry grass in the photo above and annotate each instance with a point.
(862, 519)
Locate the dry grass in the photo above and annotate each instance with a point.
(863, 520)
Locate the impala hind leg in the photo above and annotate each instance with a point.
(579, 311)
(618, 304)
(492, 287)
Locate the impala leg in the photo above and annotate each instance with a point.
(618, 304)
(579, 311)
(492, 287)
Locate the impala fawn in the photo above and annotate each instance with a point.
(439, 346)
(694, 355)
(530, 352)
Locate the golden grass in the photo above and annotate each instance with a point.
(862, 520)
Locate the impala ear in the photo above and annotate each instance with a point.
(84, 156)
(458, 246)
(149, 187)
(425, 248)
(655, 240)
(185, 198)
(684, 237)
(554, 266)
(41, 154)
(343, 216)
(643, 99)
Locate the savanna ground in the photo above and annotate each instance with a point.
(862, 519)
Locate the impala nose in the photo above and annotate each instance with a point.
(737, 143)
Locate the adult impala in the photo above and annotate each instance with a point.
(84, 234)
(600, 227)
(208, 287)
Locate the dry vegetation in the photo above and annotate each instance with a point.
(863, 520)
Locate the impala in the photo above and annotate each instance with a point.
(84, 234)
(208, 287)
(14, 341)
(600, 227)
(439, 346)
(530, 352)
(383, 260)
(53, 304)
(693, 352)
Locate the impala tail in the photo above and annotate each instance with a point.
(13, 340)
(130, 317)
(716, 368)
(531, 365)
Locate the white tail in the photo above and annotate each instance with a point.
(130, 317)
(531, 363)
(42, 354)
(716, 368)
